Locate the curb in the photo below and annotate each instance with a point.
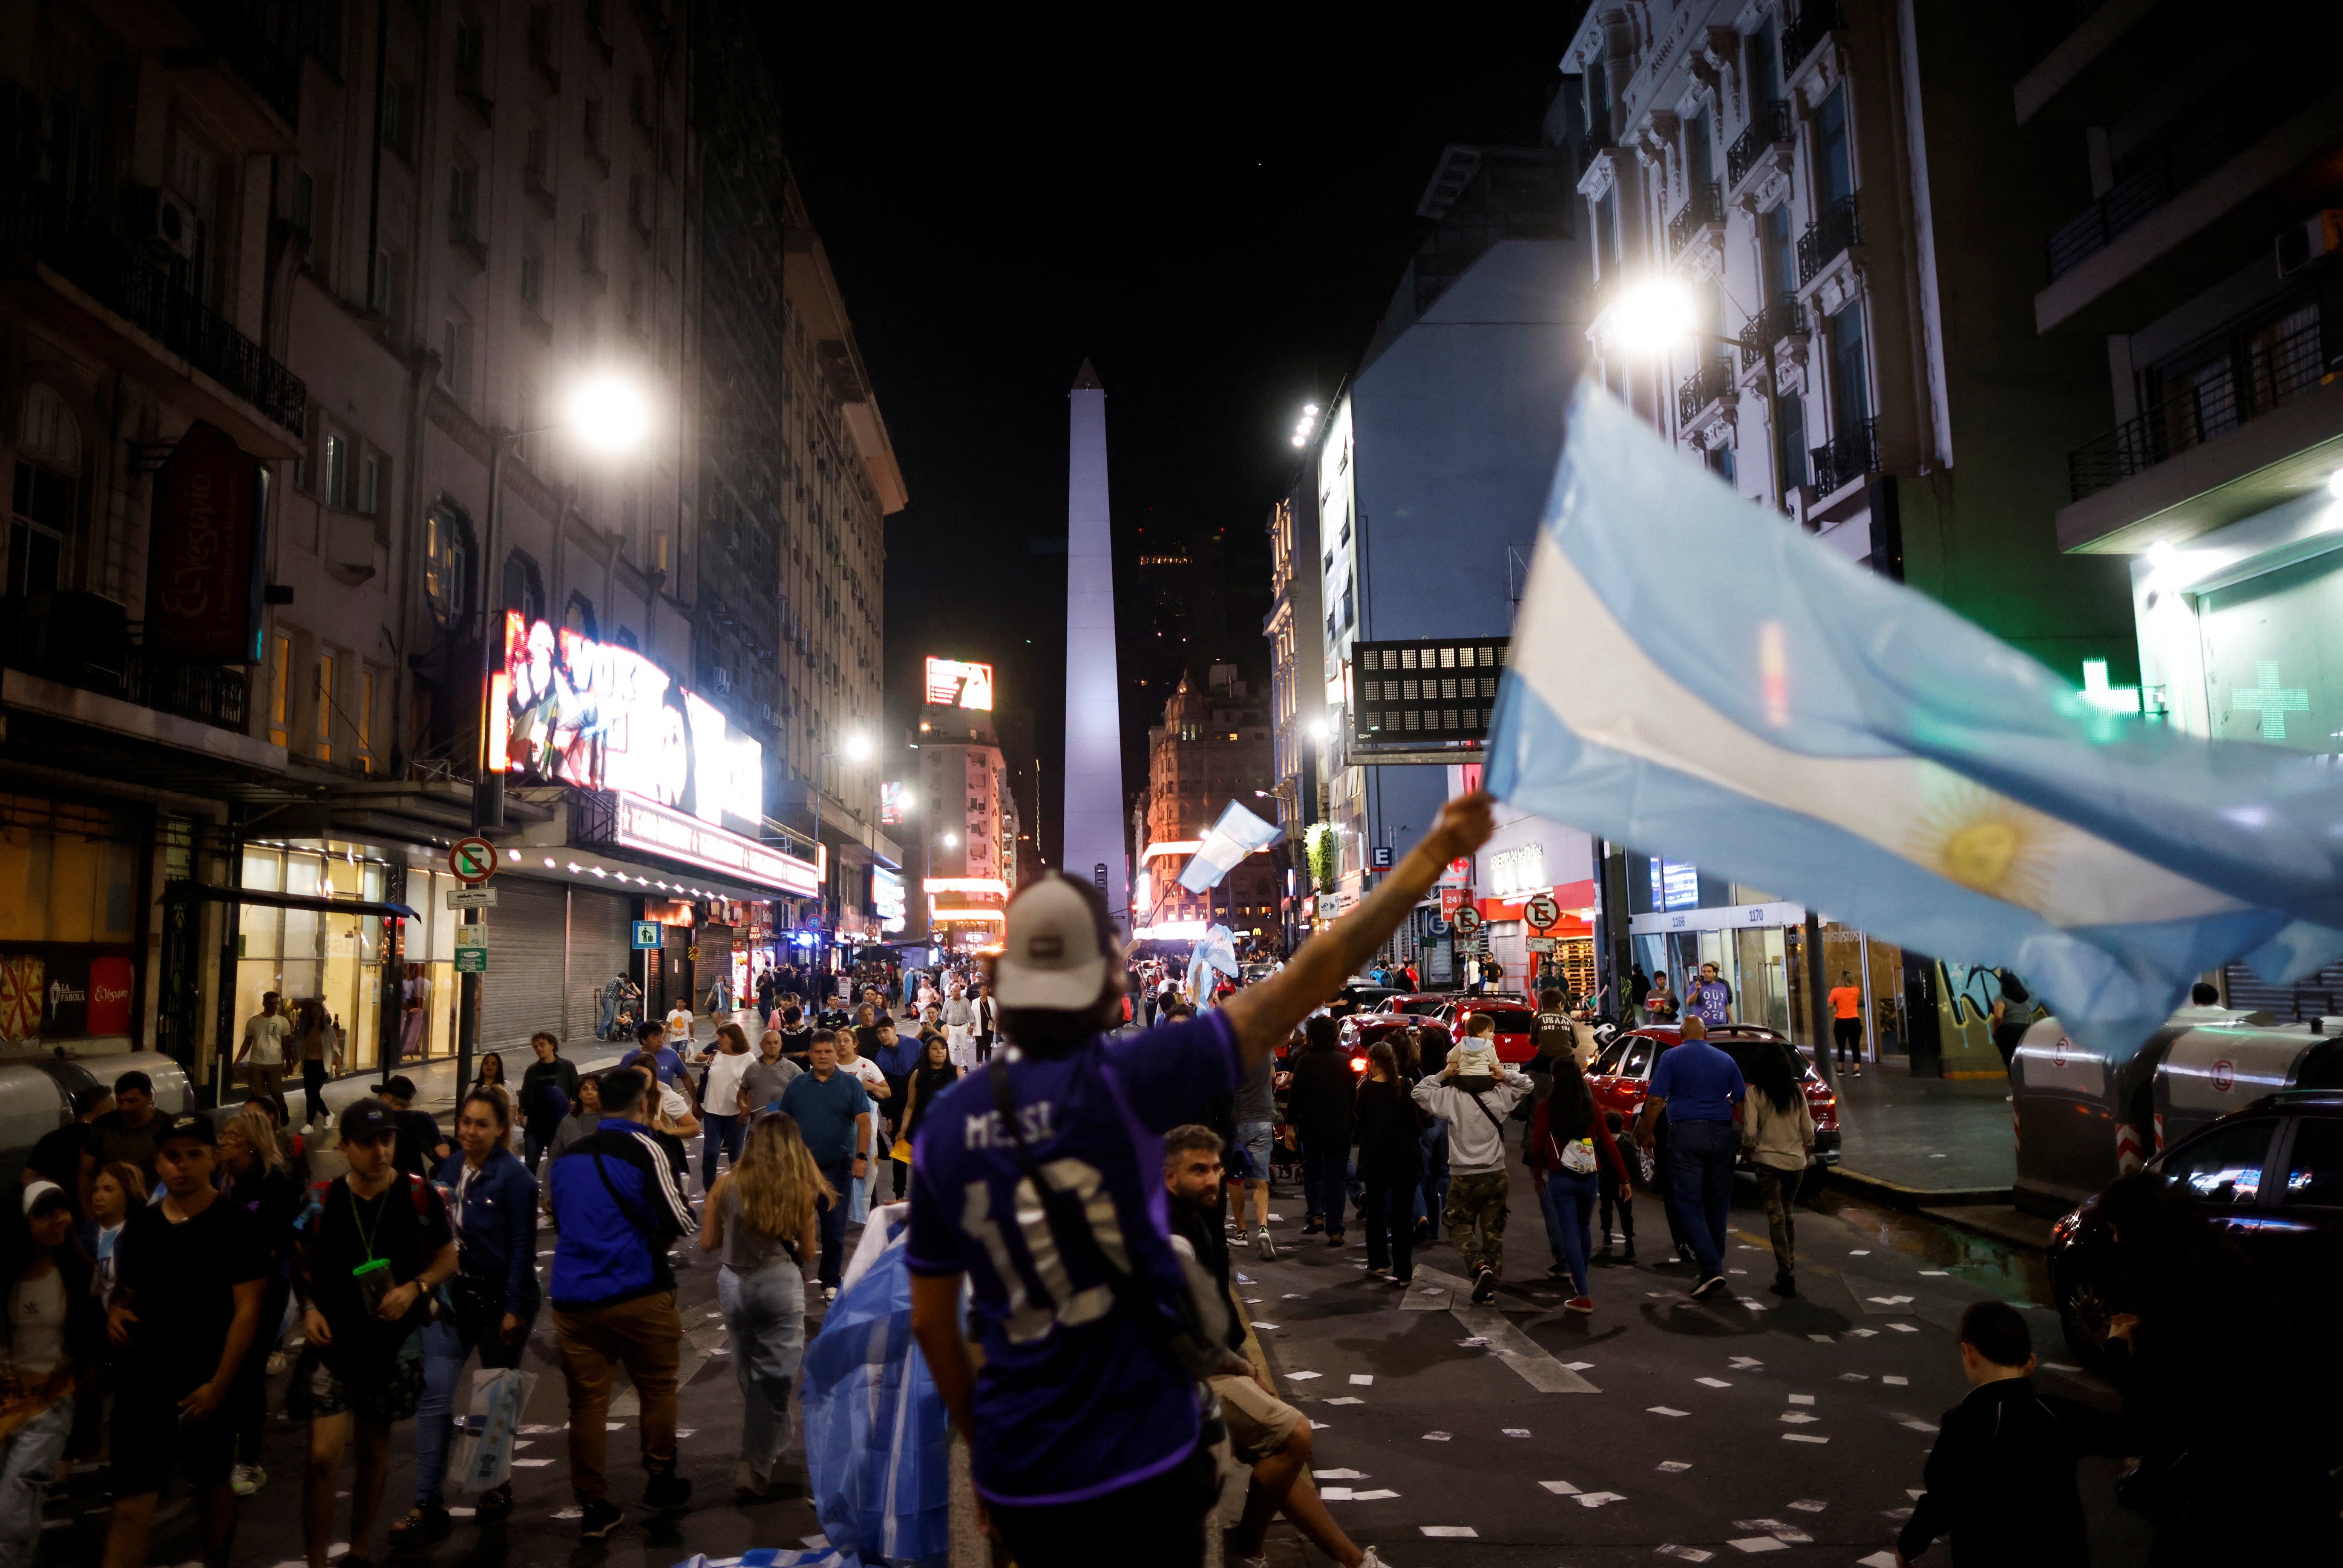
(1897, 1195)
(2034, 1238)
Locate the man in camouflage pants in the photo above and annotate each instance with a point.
(1476, 1109)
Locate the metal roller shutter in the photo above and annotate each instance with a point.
(2306, 997)
(601, 945)
(527, 938)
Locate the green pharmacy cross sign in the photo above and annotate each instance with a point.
(2272, 701)
(2107, 698)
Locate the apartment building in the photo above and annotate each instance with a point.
(1212, 747)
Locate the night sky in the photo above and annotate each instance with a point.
(1217, 220)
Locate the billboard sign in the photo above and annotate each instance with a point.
(1424, 694)
(639, 824)
(888, 899)
(894, 801)
(206, 560)
(572, 710)
(954, 683)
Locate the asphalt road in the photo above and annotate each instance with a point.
(1516, 1433)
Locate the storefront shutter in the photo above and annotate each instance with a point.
(602, 947)
(523, 988)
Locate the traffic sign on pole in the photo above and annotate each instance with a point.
(1542, 912)
(471, 898)
(474, 860)
(472, 949)
(1466, 921)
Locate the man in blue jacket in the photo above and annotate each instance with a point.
(620, 1208)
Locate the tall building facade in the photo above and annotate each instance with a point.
(1297, 687)
(964, 812)
(1212, 747)
(347, 273)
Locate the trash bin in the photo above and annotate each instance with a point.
(2080, 1119)
(2213, 1069)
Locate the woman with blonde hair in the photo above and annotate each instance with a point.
(759, 1216)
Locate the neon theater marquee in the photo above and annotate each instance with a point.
(680, 783)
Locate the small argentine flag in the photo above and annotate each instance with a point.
(1810, 728)
(1237, 834)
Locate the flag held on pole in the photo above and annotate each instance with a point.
(1237, 834)
(1822, 732)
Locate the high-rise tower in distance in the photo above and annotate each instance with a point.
(1094, 810)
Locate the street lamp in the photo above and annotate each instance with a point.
(1654, 315)
(609, 417)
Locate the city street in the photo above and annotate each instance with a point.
(1514, 1433)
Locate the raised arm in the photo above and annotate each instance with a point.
(1264, 1015)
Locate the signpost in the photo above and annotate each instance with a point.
(1450, 900)
(1467, 921)
(471, 898)
(1543, 912)
(647, 935)
(474, 860)
(471, 949)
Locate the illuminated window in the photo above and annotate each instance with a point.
(337, 471)
(447, 564)
(324, 701)
(280, 673)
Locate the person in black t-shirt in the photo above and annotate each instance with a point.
(421, 1144)
(56, 1156)
(189, 1275)
(375, 1245)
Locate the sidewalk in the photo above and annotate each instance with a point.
(1945, 1141)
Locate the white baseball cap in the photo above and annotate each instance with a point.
(1054, 948)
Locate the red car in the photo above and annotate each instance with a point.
(1619, 1074)
(1516, 1024)
(1424, 1009)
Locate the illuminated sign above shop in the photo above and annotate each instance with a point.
(572, 710)
(889, 898)
(953, 683)
(639, 824)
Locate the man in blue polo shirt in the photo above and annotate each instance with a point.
(1085, 1430)
(652, 1050)
(834, 1116)
(1700, 1088)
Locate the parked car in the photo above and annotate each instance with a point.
(1623, 1073)
(1358, 995)
(2271, 1177)
(1516, 1024)
(1424, 1011)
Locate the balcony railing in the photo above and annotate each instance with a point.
(1846, 457)
(1705, 386)
(2162, 170)
(271, 70)
(1816, 20)
(1704, 204)
(1768, 127)
(81, 640)
(36, 219)
(1828, 238)
(1784, 317)
(2261, 374)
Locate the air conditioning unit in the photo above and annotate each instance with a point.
(163, 217)
(2319, 235)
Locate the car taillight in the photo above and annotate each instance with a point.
(1358, 1064)
(2068, 1224)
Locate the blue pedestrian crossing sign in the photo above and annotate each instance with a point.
(647, 935)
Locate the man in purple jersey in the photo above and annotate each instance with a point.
(1084, 1427)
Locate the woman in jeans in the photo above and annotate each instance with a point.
(486, 1305)
(50, 1337)
(1390, 1158)
(1568, 1143)
(1777, 1134)
(759, 1218)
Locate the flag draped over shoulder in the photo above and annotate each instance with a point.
(1803, 725)
(1237, 834)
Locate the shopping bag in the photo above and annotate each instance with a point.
(877, 1437)
(481, 1457)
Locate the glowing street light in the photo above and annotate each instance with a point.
(1303, 427)
(608, 414)
(858, 747)
(1653, 314)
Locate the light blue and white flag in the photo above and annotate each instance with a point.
(1801, 724)
(1237, 834)
(1215, 949)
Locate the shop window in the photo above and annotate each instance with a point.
(448, 551)
(64, 876)
(280, 682)
(314, 957)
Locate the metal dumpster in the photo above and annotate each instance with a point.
(2209, 1072)
(32, 1106)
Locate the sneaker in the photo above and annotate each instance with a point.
(1708, 1287)
(747, 1486)
(601, 1518)
(1377, 1271)
(1579, 1304)
(1371, 1560)
(830, 1293)
(1333, 1237)
(1485, 1287)
(1312, 1225)
(665, 1492)
(425, 1523)
(1629, 1255)
(1265, 1246)
(1784, 1285)
(247, 1479)
(1558, 1272)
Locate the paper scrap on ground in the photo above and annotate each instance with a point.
(1777, 1529)
(1892, 1380)
(1864, 1334)
(1689, 1554)
(1802, 1399)
(1299, 1376)
(1266, 1327)
(1747, 1364)
(1809, 1504)
(1559, 1488)
(1797, 1417)
(1855, 1376)
(683, 1432)
(1347, 1398)
(1936, 1273)
(1453, 1531)
(535, 1429)
(1859, 1253)
(1664, 1409)
(1820, 1338)
(1906, 1328)
(1890, 1301)
(1377, 1495)
(2059, 1366)
(565, 1513)
(1915, 1493)
(1338, 1475)
(530, 1463)
(1802, 1437)
(1317, 1426)
(1437, 1437)
(1579, 1366)
(1515, 1431)
(1917, 1424)
(1362, 1380)
(1334, 1495)
(1878, 1560)
(1672, 1465)
(1713, 1381)
(1897, 1515)
(1473, 1340)
(1757, 1543)
(1597, 1499)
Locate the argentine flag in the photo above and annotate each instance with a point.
(1812, 728)
(1237, 834)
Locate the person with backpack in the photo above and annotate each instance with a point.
(620, 1205)
(1569, 1142)
(1777, 1136)
(1474, 1108)
(376, 1243)
(1037, 1191)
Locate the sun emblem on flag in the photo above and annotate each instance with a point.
(1987, 842)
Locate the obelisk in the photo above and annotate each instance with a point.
(1095, 825)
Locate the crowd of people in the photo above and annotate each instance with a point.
(1072, 1206)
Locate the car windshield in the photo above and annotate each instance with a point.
(1508, 1020)
(1418, 1006)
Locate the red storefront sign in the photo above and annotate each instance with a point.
(205, 559)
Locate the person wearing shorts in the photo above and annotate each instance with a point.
(1256, 1127)
(189, 1274)
(1266, 1435)
(375, 1244)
